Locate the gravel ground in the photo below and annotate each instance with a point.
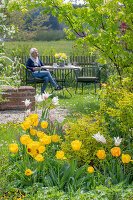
(18, 116)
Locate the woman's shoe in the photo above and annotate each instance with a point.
(58, 87)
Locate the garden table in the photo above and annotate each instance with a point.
(68, 70)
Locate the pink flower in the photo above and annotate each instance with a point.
(28, 112)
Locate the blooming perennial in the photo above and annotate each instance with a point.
(28, 172)
(28, 112)
(60, 155)
(76, 144)
(33, 131)
(25, 139)
(115, 151)
(39, 158)
(13, 148)
(117, 141)
(55, 138)
(38, 98)
(101, 154)
(55, 101)
(45, 95)
(44, 124)
(27, 102)
(99, 138)
(45, 139)
(126, 158)
(90, 170)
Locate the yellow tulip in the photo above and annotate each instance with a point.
(25, 139)
(76, 144)
(60, 155)
(90, 170)
(101, 154)
(13, 148)
(126, 158)
(55, 138)
(39, 158)
(28, 172)
(44, 124)
(116, 151)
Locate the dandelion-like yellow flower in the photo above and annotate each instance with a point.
(28, 172)
(13, 148)
(126, 158)
(44, 124)
(116, 151)
(25, 139)
(55, 138)
(101, 154)
(76, 144)
(60, 155)
(90, 170)
(39, 158)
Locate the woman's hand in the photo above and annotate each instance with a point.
(35, 68)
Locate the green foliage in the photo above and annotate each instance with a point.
(28, 24)
(117, 107)
(83, 130)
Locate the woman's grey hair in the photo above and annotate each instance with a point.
(32, 50)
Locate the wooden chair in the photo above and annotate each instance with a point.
(87, 75)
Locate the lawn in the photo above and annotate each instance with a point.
(44, 47)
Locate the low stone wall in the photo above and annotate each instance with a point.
(15, 96)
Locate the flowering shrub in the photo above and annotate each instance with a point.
(116, 108)
(81, 132)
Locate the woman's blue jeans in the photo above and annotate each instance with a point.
(46, 76)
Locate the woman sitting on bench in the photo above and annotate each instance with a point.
(34, 63)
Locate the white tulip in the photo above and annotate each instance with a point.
(46, 95)
(27, 102)
(55, 101)
(117, 141)
(38, 98)
(99, 138)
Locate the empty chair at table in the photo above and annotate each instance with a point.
(87, 75)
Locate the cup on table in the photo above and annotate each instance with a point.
(69, 64)
(54, 65)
